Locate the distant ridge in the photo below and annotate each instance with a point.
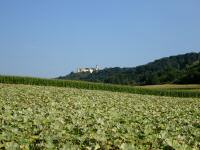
(183, 68)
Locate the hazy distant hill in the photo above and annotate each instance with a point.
(180, 69)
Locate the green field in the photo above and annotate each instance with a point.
(42, 117)
(160, 90)
(174, 86)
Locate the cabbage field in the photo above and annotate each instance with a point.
(42, 117)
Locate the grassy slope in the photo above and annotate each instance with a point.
(51, 117)
(173, 86)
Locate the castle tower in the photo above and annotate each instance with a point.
(97, 67)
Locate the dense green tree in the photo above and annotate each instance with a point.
(166, 70)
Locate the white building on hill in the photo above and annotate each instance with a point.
(90, 70)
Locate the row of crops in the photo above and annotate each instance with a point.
(41, 118)
(98, 86)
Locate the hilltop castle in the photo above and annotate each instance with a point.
(90, 70)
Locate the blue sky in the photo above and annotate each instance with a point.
(49, 38)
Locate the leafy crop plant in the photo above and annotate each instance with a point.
(41, 117)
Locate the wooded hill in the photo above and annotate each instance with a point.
(174, 69)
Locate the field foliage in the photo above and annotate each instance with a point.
(39, 117)
(174, 92)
